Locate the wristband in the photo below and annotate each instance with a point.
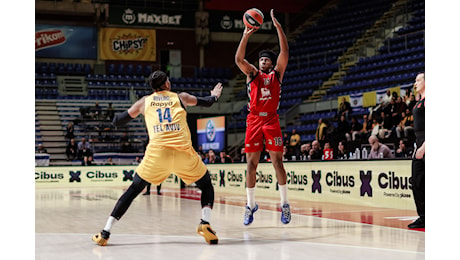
(206, 101)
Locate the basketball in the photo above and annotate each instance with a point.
(253, 18)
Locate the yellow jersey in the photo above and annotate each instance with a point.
(166, 120)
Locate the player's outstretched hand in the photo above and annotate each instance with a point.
(275, 21)
(217, 91)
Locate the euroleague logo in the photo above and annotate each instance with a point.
(211, 130)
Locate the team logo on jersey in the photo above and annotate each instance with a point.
(265, 94)
(266, 81)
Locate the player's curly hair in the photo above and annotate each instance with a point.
(157, 79)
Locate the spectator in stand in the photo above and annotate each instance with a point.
(385, 126)
(355, 128)
(378, 150)
(294, 144)
(88, 161)
(125, 143)
(71, 150)
(412, 102)
(286, 139)
(343, 129)
(84, 150)
(242, 155)
(406, 125)
(286, 156)
(212, 158)
(402, 151)
(224, 157)
(366, 128)
(321, 130)
(341, 153)
(109, 161)
(41, 149)
(305, 151)
(137, 161)
(96, 111)
(69, 131)
(316, 152)
(328, 152)
(344, 109)
(386, 99)
(109, 113)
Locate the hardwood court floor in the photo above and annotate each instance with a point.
(164, 227)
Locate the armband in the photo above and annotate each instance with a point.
(121, 119)
(206, 101)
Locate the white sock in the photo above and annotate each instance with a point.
(206, 214)
(251, 195)
(110, 223)
(283, 194)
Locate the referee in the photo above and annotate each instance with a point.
(418, 161)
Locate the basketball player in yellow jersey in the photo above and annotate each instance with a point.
(169, 150)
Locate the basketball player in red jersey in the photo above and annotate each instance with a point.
(262, 123)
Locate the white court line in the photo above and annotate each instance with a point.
(237, 239)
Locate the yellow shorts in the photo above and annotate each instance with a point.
(159, 162)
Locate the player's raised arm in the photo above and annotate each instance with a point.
(283, 57)
(123, 118)
(191, 100)
(247, 68)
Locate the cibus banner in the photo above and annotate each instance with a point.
(127, 44)
(379, 183)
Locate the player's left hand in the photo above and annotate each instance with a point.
(275, 21)
(217, 91)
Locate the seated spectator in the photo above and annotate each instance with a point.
(84, 150)
(41, 149)
(378, 150)
(366, 128)
(211, 158)
(316, 152)
(88, 161)
(355, 128)
(71, 150)
(341, 153)
(343, 129)
(125, 143)
(110, 161)
(70, 131)
(328, 152)
(242, 155)
(85, 113)
(136, 161)
(406, 125)
(224, 157)
(109, 113)
(286, 156)
(96, 111)
(305, 151)
(294, 144)
(402, 151)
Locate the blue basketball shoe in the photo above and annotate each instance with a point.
(249, 214)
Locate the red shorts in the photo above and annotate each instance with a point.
(260, 129)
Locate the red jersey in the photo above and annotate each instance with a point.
(264, 92)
